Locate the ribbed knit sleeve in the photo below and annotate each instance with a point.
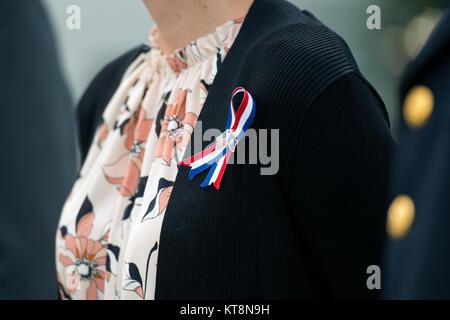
(338, 195)
(335, 149)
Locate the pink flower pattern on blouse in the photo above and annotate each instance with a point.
(109, 229)
(84, 259)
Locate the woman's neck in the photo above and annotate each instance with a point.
(182, 21)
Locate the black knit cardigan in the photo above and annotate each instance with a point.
(313, 229)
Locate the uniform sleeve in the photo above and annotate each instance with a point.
(38, 150)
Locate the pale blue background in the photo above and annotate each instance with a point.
(110, 27)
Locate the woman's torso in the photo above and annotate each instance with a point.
(107, 243)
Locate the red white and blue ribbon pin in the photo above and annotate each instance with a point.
(215, 157)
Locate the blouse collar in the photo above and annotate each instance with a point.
(198, 50)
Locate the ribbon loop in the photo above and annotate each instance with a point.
(216, 156)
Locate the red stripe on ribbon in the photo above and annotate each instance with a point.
(222, 170)
(241, 108)
(198, 156)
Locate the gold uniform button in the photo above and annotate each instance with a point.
(400, 216)
(418, 107)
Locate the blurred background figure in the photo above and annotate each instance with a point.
(418, 222)
(38, 158)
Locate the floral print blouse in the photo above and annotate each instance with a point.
(108, 234)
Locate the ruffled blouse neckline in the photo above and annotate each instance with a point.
(196, 51)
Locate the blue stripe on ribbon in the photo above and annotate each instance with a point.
(213, 163)
(206, 165)
(196, 171)
(207, 181)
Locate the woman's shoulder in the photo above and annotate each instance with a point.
(90, 108)
(300, 61)
(305, 40)
(304, 55)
